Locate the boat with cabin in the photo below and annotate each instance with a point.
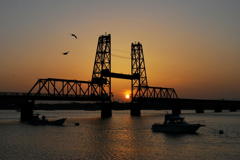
(174, 123)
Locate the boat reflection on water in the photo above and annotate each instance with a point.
(173, 123)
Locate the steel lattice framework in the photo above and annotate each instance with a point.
(153, 94)
(140, 88)
(99, 88)
(138, 67)
(102, 62)
(100, 85)
(65, 89)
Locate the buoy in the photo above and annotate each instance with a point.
(220, 131)
(76, 124)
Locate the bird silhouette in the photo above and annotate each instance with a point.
(65, 53)
(74, 35)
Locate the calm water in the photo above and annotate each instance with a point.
(121, 137)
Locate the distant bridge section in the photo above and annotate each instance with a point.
(149, 93)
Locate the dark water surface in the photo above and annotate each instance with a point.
(120, 137)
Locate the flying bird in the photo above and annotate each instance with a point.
(74, 35)
(65, 53)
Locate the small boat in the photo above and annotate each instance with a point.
(58, 122)
(173, 123)
(43, 121)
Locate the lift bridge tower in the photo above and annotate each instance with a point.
(102, 62)
(102, 74)
(101, 83)
(142, 93)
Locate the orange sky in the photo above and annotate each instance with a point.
(190, 46)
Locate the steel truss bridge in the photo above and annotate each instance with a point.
(99, 88)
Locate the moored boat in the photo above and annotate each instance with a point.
(43, 121)
(58, 122)
(175, 124)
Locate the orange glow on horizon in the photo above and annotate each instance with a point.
(176, 52)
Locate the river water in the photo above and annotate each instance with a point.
(120, 137)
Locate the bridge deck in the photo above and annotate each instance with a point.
(187, 103)
(145, 103)
(16, 97)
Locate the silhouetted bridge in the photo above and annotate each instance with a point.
(99, 88)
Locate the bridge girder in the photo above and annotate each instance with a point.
(66, 89)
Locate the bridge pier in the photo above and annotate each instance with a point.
(26, 108)
(176, 111)
(106, 110)
(135, 110)
(218, 109)
(199, 110)
(233, 109)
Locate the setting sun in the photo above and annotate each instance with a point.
(127, 96)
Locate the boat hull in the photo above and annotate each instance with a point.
(58, 122)
(186, 129)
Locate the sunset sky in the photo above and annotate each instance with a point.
(190, 45)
